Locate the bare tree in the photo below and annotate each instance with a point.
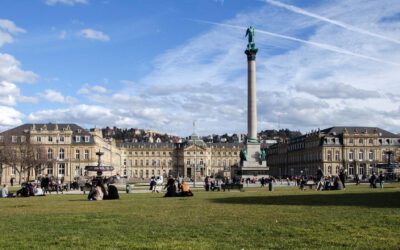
(24, 157)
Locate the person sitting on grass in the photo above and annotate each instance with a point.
(96, 194)
(185, 189)
(4, 191)
(112, 192)
(171, 188)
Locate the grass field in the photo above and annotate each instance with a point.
(356, 218)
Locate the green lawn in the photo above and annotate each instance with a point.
(356, 218)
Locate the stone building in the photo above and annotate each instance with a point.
(64, 149)
(143, 160)
(359, 150)
(68, 148)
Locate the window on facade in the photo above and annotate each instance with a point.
(351, 141)
(337, 156)
(61, 154)
(124, 162)
(23, 139)
(362, 170)
(351, 155)
(13, 171)
(141, 162)
(136, 172)
(38, 139)
(14, 139)
(62, 139)
(147, 162)
(49, 154)
(61, 169)
(329, 170)
(361, 155)
(351, 170)
(77, 154)
(87, 138)
(77, 138)
(329, 155)
(188, 162)
(78, 171)
(147, 173)
(50, 169)
(361, 141)
(86, 155)
(370, 141)
(1, 138)
(370, 155)
(49, 138)
(383, 155)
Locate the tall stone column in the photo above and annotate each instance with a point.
(252, 158)
(251, 96)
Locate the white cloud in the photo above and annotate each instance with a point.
(8, 93)
(10, 70)
(65, 2)
(88, 89)
(7, 29)
(10, 26)
(52, 96)
(9, 117)
(331, 90)
(94, 35)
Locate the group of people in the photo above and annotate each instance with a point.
(156, 184)
(27, 189)
(172, 191)
(99, 192)
(50, 184)
(374, 179)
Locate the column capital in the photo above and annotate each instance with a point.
(251, 54)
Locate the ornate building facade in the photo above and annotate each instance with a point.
(63, 150)
(359, 150)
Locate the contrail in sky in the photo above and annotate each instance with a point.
(325, 19)
(319, 45)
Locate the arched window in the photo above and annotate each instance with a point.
(361, 141)
(329, 169)
(370, 141)
(337, 156)
(337, 169)
(329, 155)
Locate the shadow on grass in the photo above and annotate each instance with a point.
(371, 200)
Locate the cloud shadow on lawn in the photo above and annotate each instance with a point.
(371, 200)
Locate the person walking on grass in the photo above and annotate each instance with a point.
(342, 177)
(381, 178)
(372, 181)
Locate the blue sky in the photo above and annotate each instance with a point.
(162, 64)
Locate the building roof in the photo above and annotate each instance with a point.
(359, 130)
(47, 126)
(25, 129)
